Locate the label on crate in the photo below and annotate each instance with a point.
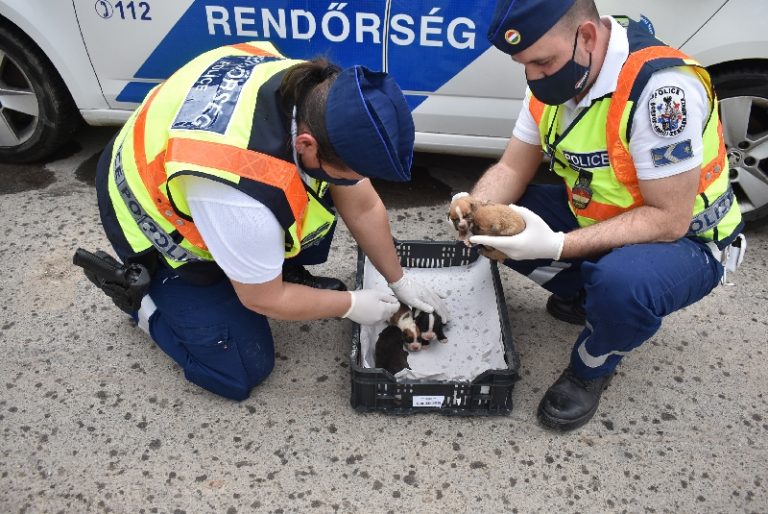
(428, 401)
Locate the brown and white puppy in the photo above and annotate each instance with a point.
(471, 217)
(403, 319)
(389, 353)
(431, 327)
(461, 215)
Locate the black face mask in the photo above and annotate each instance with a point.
(565, 83)
(320, 174)
(316, 173)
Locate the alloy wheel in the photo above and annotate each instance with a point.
(745, 129)
(19, 107)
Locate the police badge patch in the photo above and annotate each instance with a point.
(667, 111)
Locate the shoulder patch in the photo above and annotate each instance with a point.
(672, 154)
(667, 111)
(211, 101)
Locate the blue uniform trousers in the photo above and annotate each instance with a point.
(221, 346)
(629, 290)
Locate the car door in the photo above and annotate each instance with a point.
(464, 94)
(431, 48)
(674, 22)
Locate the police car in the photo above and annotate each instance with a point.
(66, 61)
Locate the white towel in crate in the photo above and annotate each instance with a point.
(474, 332)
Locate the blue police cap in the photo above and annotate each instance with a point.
(517, 24)
(370, 125)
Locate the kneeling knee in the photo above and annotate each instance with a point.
(261, 370)
(228, 387)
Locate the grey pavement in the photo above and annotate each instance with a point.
(95, 418)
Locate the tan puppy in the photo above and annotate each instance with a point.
(461, 215)
(472, 217)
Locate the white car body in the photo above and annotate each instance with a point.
(471, 113)
(464, 93)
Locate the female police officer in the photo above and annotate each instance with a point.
(225, 181)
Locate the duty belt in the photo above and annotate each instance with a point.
(711, 216)
(160, 239)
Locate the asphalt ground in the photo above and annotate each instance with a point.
(95, 418)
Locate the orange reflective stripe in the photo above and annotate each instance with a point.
(714, 168)
(536, 107)
(244, 163)
(621, 160)
(245, 47)
(139, 128)
(596, 210)
(153, 176)
(156, 173)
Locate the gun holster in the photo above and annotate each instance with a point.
(125, 285)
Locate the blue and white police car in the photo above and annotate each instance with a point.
(65, 61)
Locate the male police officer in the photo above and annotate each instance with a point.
(645, 212)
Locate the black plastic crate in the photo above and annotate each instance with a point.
(375, 389)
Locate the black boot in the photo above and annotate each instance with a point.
(297, 274)
(571, 401)
(570, 310)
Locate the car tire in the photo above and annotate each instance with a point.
(743, 96)
(37, 113)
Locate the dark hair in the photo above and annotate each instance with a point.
(306, 86)
(580, 11)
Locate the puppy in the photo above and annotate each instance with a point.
(389, 353)
(430, 326)
(495, 220)
(461, 215)
(471, 217)
(403, 319)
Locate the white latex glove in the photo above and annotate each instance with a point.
(370, 306)
(537, 241)
(459, 195)
(418, 296)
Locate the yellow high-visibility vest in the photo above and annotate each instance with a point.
(605, 127)
(200, 122)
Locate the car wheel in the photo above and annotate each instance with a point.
(743, 94)
(37, 114)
